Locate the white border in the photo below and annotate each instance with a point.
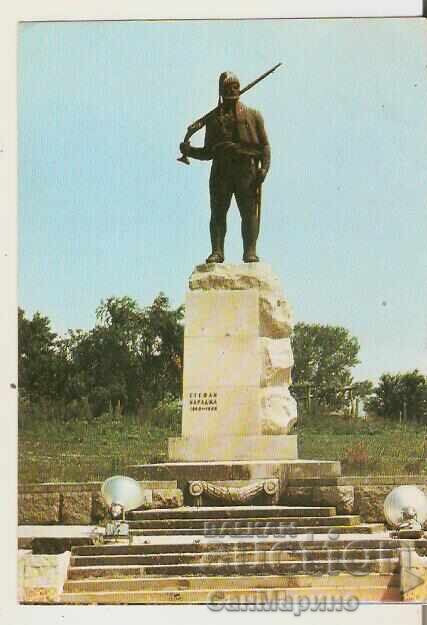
(191, 9)
(47, 10)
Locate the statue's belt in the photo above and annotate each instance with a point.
(238, 147)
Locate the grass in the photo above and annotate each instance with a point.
(79, 451)
(372, 447)
(89, 451)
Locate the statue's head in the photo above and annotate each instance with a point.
(229, 86)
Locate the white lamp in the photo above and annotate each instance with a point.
(121, 494)
(405, 510)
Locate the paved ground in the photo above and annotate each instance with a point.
(26, 532)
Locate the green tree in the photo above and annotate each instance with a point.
(401, 395)
(324, 356)
(362, 389)
(132, 355)
(40, 359)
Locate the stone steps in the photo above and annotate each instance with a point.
(239, 552)
(249, 582)
(266, 530)
(388, 565)
(227, 512)
(235, 546)
(357, 567)
(267, 557)
(89, 572)
(237, 595)
(253, 522)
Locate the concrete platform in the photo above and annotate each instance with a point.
(55, 538)
(237, 470)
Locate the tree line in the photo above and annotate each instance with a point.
(132, 360)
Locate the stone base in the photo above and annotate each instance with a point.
(284, 470)
(199, 449)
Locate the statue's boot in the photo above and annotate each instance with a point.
(250, 230)
(215, 257)
(217, 240)
(250, 257)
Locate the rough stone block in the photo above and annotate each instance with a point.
(40, 595)
(277, 361)
(77, 508)
(38, 509)
(167, 498)
(341, 497)
(369, 502)
(413, 575)
(99, 509)
(298, 496)
(42, 577)
(234, 277)
(278, 410)
(275, 316)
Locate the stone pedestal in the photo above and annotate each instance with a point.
(238, 413)
(237, 368)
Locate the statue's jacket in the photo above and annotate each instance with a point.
(246, 130)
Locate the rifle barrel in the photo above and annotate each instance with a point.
(254, 82)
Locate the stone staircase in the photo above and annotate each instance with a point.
(237, 554)
(246, 521)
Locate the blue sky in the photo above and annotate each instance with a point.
(105, 209)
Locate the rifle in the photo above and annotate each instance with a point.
(201, 122)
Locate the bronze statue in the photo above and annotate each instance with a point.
(237, 143)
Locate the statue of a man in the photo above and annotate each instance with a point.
(237, 143)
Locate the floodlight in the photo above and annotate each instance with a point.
(122, 491)
(121, 494)
(405, 509)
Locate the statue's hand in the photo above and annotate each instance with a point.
(260, 176)
(230, 145)
(185, 148)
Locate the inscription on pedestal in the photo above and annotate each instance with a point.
(203, 401)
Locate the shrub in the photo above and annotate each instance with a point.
(99, 400)
(357, 458)
(167, 413)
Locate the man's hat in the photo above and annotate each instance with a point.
(227, 79)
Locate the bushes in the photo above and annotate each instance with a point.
(358, 460)
(167, 413)
(100, 401)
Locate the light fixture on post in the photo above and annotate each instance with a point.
(120, 494)
(405, 510)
